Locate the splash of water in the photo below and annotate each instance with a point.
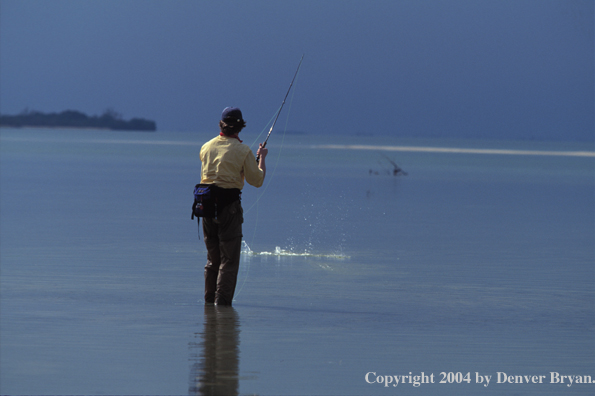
(246, 249)
(278, 252)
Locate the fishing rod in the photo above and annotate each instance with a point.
(280, 108)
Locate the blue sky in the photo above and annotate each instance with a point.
(431, 68)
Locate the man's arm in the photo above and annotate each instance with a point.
(261, 153)
(254, 172)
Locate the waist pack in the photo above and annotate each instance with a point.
(205, 201)
(208, 199)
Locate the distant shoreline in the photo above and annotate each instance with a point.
(74, 128)
(56, 127)
(72, 119)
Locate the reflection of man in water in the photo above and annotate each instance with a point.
(227, 162)
(216, 371)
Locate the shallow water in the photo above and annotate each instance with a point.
(472, 263)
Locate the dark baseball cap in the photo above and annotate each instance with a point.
(233, 113)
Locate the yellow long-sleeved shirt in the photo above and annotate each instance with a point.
(227, 163)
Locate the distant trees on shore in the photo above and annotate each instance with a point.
(110, 119)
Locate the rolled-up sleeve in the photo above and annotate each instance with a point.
(253, 175)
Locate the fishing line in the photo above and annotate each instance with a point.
(271, 130)
(269, 179)
(284, 99)
(257, 139)
(272, 174)
(260, 196)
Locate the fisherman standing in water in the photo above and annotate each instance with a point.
(227, 162)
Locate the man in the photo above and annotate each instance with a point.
(227, 162)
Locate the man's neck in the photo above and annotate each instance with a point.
(234, 136)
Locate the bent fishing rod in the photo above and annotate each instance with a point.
(280, 108)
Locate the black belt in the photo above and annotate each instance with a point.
(226, 196)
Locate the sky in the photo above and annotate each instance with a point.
(511, 69)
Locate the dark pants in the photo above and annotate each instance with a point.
(223, 239)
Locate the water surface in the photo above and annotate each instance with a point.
(471, 263)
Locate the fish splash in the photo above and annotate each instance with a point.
(283, 252)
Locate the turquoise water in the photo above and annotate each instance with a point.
(473, 263)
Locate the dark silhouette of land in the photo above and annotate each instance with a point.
(75, 119)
